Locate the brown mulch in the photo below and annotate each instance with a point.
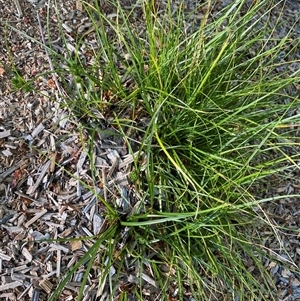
(46, 185)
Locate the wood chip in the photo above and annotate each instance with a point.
(59, 247)
(76, 245)
(11, 285)
(13, 229)
(7, 153)
(66, 233)
(58, 263)
(8, 296)
(5, 257)
(20, 268)
(130, 159)
(87, 232)
(79, 5)
(100, 162)
(80, 162)
(35, 295)
(36, 217)
(112, 155)
(27, 254)
(97, 223)
(37, 130)
(4, 134)
(44, 170)
(149, 280)
(46, 285)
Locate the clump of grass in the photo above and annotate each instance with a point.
(213, 102)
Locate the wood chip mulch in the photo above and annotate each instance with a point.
(47, 188)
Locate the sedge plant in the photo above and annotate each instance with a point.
(215, 109)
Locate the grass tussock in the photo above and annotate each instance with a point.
(213, 103)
